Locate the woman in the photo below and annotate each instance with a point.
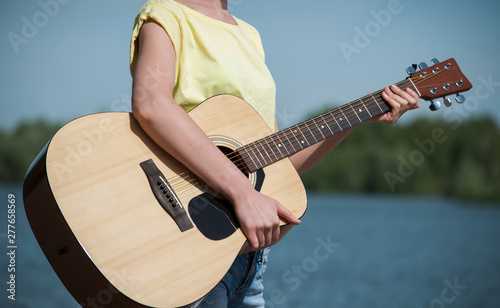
(185, 51)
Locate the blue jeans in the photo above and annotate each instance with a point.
(242, 286)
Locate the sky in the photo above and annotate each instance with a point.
(62, 59)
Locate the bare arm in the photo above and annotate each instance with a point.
(171, 128)
(309, 157)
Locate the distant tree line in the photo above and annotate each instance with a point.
(20, 147)
(422, 158)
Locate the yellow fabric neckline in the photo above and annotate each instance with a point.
(208, 18)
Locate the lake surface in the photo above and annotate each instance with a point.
(349, 251)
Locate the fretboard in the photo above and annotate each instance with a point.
(282, 144)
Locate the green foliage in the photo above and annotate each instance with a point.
(19, 148)
(425, 157)
(374, 158)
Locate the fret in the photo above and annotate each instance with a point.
(304, 143)
(343, 120)
(301, 136)
(289, 141)
(279, 155)
(290, 146)
(301, 141)
(407, 83)
(322, 127)
(261, 151)
(269, 149)
(286, 147)
(366, 108)
(249, 159)
(282, 144)
(336, 122)
(382, 104)
(259, 159)
(413, 87)
(272, 149)
(327, 125)
(377, 103)
(356, 113)
(278, 147)
(289, 135)
(349, 119)
(312, 129)
(354, 119)
(373, 107)
(362, 112)
(310, 133)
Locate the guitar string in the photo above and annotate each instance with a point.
(292, 131)
(329, 118)
(356, 104)
(360, 102)
(349, 114)
(188, 177)
(180, 182)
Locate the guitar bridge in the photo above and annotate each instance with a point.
(166, 195)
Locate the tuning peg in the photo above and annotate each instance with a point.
(447, 102)
(435, 105)
(460, 98)
(423, 65)
(411, 69)
(434, 61)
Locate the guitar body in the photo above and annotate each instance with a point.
(104, 232)
(124, 224)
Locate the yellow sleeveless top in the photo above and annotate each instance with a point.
(212, 57)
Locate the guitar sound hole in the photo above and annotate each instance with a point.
(235, 158)
(257, 178)
(237, 161)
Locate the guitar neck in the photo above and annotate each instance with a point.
(285, 143)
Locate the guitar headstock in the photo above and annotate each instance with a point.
(440, 80)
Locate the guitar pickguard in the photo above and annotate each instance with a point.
(213, 216)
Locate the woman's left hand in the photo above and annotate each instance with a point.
(400, 102)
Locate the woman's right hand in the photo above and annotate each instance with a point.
(259, 217)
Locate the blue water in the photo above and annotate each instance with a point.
(349, 251)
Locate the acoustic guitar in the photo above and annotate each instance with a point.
(124, 224)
